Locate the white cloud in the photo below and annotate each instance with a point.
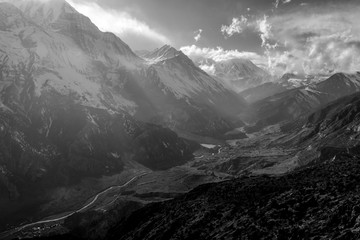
(210, 69)
(319, 40)
(219, 54)
(198, 35)
(237, 26)
(119, 22)
(264, 29)
(323, 40)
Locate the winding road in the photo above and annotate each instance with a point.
(8, 233)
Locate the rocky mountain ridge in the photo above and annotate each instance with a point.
(294, 103)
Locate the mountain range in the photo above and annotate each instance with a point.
(102, 142)
(291, 104)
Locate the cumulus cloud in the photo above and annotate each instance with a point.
(323, 40)
(264, 29)
(209, 68)
(119, 22)
(198, 35)
(316, 40)
(237, 26)
(323, 54)
(219, 54)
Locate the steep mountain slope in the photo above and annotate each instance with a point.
(58, 15)
(161, 54)
(180, 76)
(291, 104)
(72, 55)
(336, 124)
(188, 97)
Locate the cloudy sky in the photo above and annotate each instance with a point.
(303, 36)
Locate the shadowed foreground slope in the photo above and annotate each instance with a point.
(317, 202)
(320, 201)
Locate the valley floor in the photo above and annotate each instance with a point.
(216, 162)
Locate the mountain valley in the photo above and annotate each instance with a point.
(99, 141)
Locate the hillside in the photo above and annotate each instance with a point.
(291, 104)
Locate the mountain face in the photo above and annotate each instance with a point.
(238, 74)
(336, 124)
(59, 16)
(188, 97)
(161, 54)
(294, 103)
(71, 55)
(332, 130)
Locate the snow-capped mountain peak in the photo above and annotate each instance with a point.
(70, 54)
(44, 12)
(161, 54)
(236, 73)
(60, 17)
(237, 68)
